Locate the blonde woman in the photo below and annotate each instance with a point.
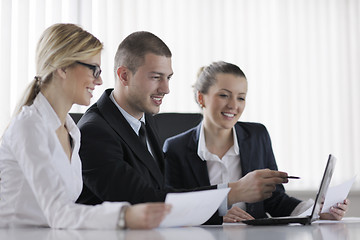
(40, 168)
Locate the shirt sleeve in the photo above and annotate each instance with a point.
(30, 147)
(302, 207)
(223, 206)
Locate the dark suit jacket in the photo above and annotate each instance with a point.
(184, 168)
(116, 165)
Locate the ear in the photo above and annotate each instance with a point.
(61, 72)
(123, 75)
(200, 99)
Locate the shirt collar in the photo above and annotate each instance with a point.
(205, 154)
(134, 122)
(45, 109)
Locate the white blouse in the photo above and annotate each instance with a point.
(228, 169)
(39, 184)
(224, 170)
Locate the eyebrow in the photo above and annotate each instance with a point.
(162, 74)
(224, 89)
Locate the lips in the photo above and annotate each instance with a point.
(229, 115)
(157, 99)
(90, 90)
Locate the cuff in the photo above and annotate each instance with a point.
(302, 207)
(224, 205)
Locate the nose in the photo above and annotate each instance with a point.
(232, 103)
(98, 81)
(164, 86)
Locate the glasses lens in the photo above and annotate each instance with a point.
(97, 72)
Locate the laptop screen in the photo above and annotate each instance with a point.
(320, 197)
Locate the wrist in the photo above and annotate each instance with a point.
(121, 224)
(231, 197)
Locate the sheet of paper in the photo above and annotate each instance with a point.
(334, 195)
(337, 194)
(193, 208)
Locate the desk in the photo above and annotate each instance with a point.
(319, 231)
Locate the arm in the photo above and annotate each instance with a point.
(35, 149)
(178, 173)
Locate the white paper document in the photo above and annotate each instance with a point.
(333, 196)
(337, 194)
(193, 208)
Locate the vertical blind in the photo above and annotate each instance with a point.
(301, 59)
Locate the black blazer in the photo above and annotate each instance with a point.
(184, 168)
(116, 165)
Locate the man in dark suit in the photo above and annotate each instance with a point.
(117, 165)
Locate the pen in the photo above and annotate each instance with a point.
(293, 177)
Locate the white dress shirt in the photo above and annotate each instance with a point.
(224, 170)
(228, 169)
(39, 184)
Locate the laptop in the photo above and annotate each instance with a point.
(320, 198)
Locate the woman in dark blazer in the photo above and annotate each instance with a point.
(222, 150)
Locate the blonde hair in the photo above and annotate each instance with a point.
(60, 46)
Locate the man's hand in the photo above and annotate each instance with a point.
(256, 186)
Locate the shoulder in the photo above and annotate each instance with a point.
(95, 113)
(251, 126)
(28, 120)
(251, 130)
(28, 124)
(180, 139)
(91, 118)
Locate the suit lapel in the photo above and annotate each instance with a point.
(198, 166)
(154, 141)
(123, 129)
(244, 148)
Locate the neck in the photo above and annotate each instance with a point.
(58, 101)
(217, 139)
(121, 99)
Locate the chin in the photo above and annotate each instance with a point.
(153, 110)
(83, 103)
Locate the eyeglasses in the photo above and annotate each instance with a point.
(96, 69)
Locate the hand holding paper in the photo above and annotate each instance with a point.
(193, 208)
(334, 195)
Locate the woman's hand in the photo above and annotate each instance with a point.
(337, 212)
(146, 215)
(236, 214)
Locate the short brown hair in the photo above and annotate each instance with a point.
(132, 50)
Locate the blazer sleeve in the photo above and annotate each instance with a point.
(177, 172)
(173, 166)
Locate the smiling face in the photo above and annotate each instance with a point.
(146, 88)
(225, 101)
(81, 81)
